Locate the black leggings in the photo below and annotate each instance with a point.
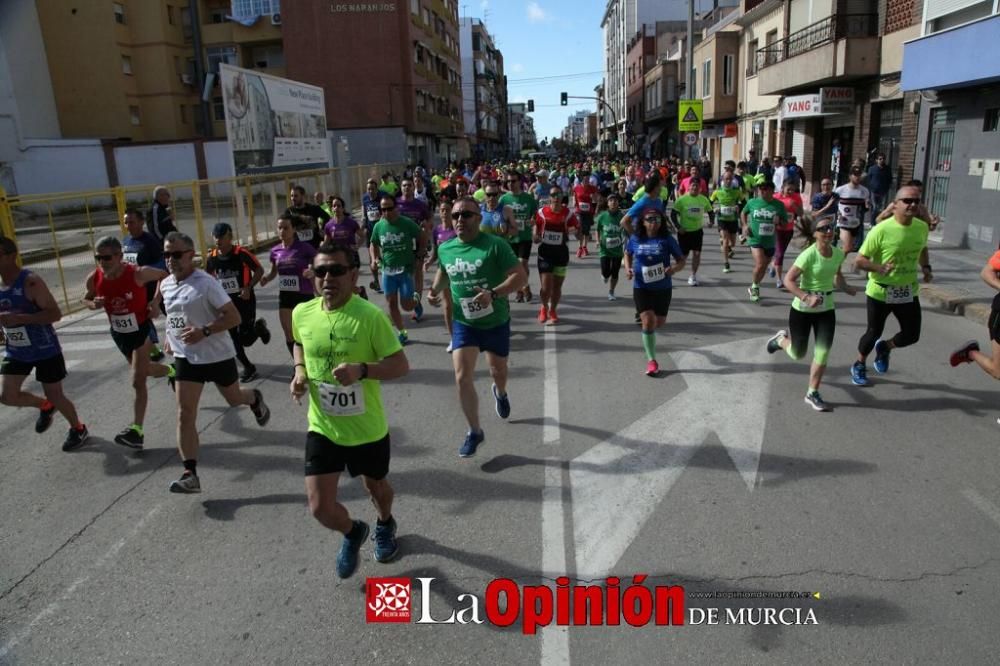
(610, 267)
(245, 333)
(907, 314)
(821, 324)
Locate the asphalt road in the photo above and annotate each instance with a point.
(714, 476)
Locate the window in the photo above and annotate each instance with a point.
(255, 8)
(476, 45)
(706, 78)
(119, 13)
(728, 65)
(991, 121)
(217, 16)
(271, 55)
(771, 54)
(414, 6)
(218, 110)
(220, 54)
(184, 114)
(133, 112)
(752, 47)
(126, 65)
(426, 15)
(186, 29)
(170, 14)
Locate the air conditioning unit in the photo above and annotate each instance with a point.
(187, 79)
(275, 19)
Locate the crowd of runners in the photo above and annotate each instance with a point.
(463, 240)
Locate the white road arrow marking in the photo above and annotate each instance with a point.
(618, 484)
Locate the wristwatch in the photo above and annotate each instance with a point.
(493, 294)
(206, 331)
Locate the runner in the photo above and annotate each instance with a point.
(497, 218)
(524, 207)
(585, 196)
(610, 241)
(783, 233)
(369, 207)
(443, 233)
(161, 214)
(759, 219)
(480, 271)
(238, 272)
(27, 312)
(120, 290)
(290, 259)
(140, 248)
(552, 225)
(542, 189)
(197, 309)
(728, 199)
(418, 211)
(969, 353)
(811, 280)
(392, 251)
(891, 254)
(342, 228)
(647, 263)
(310, 217)
(652, 195)
(344, 348)
(688, 216)
(852, 201)
(824, 202)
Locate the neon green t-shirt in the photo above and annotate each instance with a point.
(397, 240)
(389, 188)
(664, 194)
(900, 244)
(729, 199)
(691, 211)
(818, 276)
(479, 195)
(483, 262)
(524, 206)
(611, 234)
(358, 332)
(760, 218)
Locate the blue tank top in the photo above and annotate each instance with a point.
(491, 219)
(32, 342)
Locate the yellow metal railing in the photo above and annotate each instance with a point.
(56, 233)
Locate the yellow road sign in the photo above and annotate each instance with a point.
(689, 115)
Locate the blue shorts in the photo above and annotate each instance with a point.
(495, 340)
(401, 283)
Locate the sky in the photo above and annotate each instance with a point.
(548, 47)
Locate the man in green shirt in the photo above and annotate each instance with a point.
(688, 216)
(891, 253)
(480, 270)
(760, 217)
(344, 346)
(727, 199)
(611, 241)
(524, 206)
(393, 240)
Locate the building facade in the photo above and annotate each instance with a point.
(484, 93)
(716, 69)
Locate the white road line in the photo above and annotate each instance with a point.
(555, 640)
(88, 345)
(53, 607)
(991, 510)
(80, 330)
(740, 303)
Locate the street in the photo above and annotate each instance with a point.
(714, 476)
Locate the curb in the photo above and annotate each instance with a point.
(949, 301)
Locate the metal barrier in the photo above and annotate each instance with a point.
(56, 232)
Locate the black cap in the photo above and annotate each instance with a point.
(767, 183)
(221, 229)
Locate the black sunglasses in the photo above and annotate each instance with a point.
(825, 229)
(492, 194)
(909, 201)
(386, 210)
(176, 254)
(336, 270)
(103, 257)
(463, 214)
(652, 219)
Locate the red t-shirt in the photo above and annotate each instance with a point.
(552, 227)
(683, 186)
(584, 197)
(995, 261)
(124, 300)
(792, 204)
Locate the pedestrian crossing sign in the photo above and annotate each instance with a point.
(689, 117)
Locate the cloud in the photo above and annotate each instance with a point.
(484, 6)
(536, 14)
(516, 68)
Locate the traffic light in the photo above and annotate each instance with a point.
(564, 100)
(531, 106)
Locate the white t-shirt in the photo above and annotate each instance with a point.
(196, 301)
(852, 202)
(779, 177)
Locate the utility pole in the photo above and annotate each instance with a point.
(690, 75)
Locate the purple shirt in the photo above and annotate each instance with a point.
(294, 260)
(443, 234)
(344, 233)
(415, 209)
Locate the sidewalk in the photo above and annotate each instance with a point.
(957, 286)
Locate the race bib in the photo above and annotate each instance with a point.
(126, 323)
(849, 216)
(373, 215)
(337, 400)
(288, 283)
(653, 273)
(131, 258)
(17, 337)
(765, 229)
(728, 211)
(176, 322)
(393, 270)
(305, 235)
(895, 295)
(584, 207)
(612, 242)
(473, 310)
(230, 285)
(552, 237)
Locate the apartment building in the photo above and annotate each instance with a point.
(950, 67)
(639, 59)
(663, 84)
(484, 92)
(715, 67)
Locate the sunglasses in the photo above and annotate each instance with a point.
(103, 257)
(176, 254)
(651, 220)
(335, 270)
(492, 194)
(910, 201)
(386, 210)
(463, 214)
(825, 229)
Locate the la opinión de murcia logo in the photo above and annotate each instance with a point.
(506, 603)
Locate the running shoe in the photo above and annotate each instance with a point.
(816, 402)
(172, 377)
(692, 281)
(418, 312)
(131, 438)
(881, 357)
(754, 293)
(260, 409)
(771, 272)
(519, 298)
(156, 354)
(732, 254)
(249, 374)
(527, 295)
(362, 293)
(260, 327)
(45, 413)
(586, 252)
(502, 403)
(75, 438)
(374, 286)
(859, 374)
(543, 314)
(774, 344)
(553, 317)
(449, 349)
(579, 252)
(403, 338)
(187, 484)
(471, 443)
(638, 319)
(604, 279)
(611, 296)
(652, 368)
(727, 269)
(743, 240)
(347, 558)
(386, 547)
(959, 356)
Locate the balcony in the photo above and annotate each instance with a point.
(837, 49)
